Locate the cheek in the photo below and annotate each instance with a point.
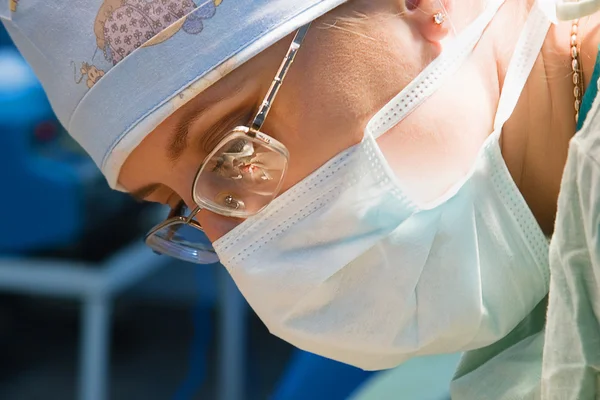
(319, 148)
(215, 226)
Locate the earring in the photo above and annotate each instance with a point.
(439, 18)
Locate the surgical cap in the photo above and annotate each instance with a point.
(113, 70)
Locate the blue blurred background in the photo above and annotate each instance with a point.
(87, 312)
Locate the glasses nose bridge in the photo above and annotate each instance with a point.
(180, 211)
(192, 214)
(177, 211)
(175, 238)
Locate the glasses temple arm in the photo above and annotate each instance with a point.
(265, 107)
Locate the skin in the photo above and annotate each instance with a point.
(348, 69)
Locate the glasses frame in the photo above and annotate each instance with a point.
(252, 130)
(176, 217)
(240, 131)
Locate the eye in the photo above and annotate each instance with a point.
(238, 146)
(234, 153)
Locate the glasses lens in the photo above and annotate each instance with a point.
(183, 241)
(241, 176)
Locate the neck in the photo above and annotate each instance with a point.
(536, 138)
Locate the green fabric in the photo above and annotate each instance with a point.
(590, 95)
(509, 369)
(422, 378)
(571, 369)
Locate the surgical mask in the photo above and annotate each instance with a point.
(346, 266)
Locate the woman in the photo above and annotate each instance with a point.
(422, 181)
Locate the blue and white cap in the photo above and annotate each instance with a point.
(115, 69)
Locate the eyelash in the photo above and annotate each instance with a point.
(235, 147)
(220, 131)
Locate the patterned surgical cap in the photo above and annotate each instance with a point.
(115, 69)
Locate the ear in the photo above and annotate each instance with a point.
(426, 15)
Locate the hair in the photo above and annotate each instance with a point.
(354, 16)
(352, 24)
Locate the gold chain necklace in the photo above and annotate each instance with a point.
(576, 67)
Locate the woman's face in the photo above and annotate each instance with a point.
(345, 71)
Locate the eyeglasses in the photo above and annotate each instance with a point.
(239, 178)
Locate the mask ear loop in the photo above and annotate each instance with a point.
(449, 20)
(568, 11)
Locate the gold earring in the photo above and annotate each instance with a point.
(439, 18)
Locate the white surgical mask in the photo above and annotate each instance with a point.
(345, 265)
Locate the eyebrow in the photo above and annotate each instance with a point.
(180, 136)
